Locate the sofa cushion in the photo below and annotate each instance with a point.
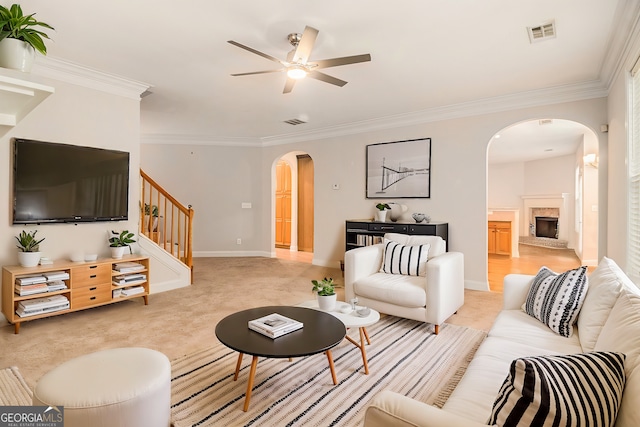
(401, 259)
(556, 299)
(518, 327)
(568, 390)
(621, 333)
(605, 284)
(406, 291)
(438, 245)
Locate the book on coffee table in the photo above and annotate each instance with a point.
(274, 325)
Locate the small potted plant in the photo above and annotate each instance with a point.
(19, 39)
(151, 211)
(327, 296)
(119, 241)
(29, 255)
(381, 214)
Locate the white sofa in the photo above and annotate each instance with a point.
(432, 297)
(609, 320)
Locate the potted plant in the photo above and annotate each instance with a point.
(119, 241)
(19, 39)
(29, 255)
(327, 296)
(381, 214)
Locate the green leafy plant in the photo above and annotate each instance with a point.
(123, 238)
(15, 25)
(151, 210)
(324, 287)
(382, 206)
(27, 242)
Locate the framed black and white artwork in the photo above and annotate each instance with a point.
(400, 169)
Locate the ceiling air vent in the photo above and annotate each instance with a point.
(294, 122)
(543, 122)
(542, 32)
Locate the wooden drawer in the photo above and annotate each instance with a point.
(90, 275)
(501, 225)
(90, 295)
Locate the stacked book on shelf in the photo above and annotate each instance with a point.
(128, 267)
(47, 282)
(129, 279)
(367, 239)
(128, 292)
(42, 305)
(274, 325)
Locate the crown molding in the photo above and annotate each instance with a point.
(66, 71)
(622, 46)
(178, 139)
(554, 95)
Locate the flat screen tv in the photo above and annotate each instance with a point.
(68, 183)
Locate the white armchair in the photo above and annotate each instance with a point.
(431, 298)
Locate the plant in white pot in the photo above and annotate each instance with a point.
(19, 39)
(381, 214)
(29, 255)
(327, 296)
(118, 242)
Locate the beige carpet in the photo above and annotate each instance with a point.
(404, 356)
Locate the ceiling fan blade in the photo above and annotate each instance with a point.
(258, 72)
(345, 60)
(288, 86)
(326, 78)
(305, 46)
(257, 52)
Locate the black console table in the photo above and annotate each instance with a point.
(366, 232)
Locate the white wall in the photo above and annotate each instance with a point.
(505, 185)
(223, 177)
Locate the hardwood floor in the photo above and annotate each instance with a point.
(530, 261)
(294, 256)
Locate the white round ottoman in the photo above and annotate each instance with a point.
(120, 387)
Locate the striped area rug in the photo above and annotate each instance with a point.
(404, 356)
(14, 390)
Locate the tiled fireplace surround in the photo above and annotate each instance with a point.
(551, 205)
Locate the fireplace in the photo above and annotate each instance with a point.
(546, 227)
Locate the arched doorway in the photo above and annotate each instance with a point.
(293, 201)
(542, 187)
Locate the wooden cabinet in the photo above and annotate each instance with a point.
(366, 232)
(499, 239)
(283, 205)
(88, 284)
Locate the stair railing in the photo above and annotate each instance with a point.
(166, 221)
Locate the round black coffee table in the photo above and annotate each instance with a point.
(321, 332)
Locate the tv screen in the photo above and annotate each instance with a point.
(68, 183)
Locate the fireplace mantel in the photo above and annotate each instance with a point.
(558, 200)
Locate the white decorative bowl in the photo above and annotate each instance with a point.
(91, 257)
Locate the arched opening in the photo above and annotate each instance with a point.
(542, 198)
(292, 200)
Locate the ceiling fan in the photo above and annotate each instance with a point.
(297, 64)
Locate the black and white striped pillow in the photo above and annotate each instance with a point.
(567, 390)
(401, 259)
(556, 299)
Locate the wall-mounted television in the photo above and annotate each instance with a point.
(55, 182)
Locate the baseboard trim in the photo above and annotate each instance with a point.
(476, 286)
(221, 254)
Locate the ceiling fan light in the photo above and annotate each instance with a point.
(296, 73)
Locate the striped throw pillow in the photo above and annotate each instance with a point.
(567, 390)
(401, 259)
(556, 299)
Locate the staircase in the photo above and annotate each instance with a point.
(166, 221)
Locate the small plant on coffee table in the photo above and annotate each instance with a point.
(324, 287)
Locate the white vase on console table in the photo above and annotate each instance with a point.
(396, 211)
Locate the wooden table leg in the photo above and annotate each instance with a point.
(235, 377)
(366, 335)
(363, 336)
(252, 374)
(331, 367)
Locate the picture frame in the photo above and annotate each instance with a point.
(399, 169)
